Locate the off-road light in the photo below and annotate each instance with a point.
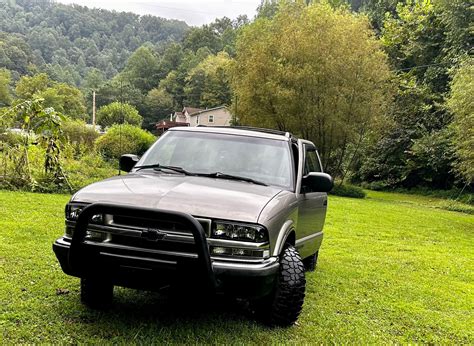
(96, 236)
(216, 250)
(240, 232)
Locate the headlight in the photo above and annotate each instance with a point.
(74, 210)
(72, 213)
(240, 232)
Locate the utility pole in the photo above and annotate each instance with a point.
(234, 117)
(93, 109)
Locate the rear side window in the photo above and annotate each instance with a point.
(311, 162)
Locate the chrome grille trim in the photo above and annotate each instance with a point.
(140, 249)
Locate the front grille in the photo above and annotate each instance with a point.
(162, 245)
(130, 233)
(163, 225)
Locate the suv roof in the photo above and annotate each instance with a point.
(239, 130)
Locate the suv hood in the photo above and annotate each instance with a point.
(198, 196)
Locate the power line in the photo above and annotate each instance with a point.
(420, 66)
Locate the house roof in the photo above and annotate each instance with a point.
(206, 110)
(191, 110)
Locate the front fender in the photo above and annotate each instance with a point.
(283, 235)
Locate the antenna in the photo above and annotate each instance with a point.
(93, 109)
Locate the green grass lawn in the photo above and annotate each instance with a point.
(392, 268)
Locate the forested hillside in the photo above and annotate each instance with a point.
(71, 42)
(383, 87)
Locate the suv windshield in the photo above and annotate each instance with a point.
(264, 160)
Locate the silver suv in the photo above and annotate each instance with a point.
(232, 210)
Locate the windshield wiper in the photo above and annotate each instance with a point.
(221, 175)
(158, 167)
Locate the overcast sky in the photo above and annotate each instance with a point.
(192, 12)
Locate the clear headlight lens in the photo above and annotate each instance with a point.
(240, 232)
(74, 210)
(72, 213)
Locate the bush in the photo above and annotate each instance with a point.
(118, 113)
(11, 139)
(124, 139)
(376, 185)
(347, 190)
(88, 169)
(456, 206)
(79, 135)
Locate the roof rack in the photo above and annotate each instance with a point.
(257, 129)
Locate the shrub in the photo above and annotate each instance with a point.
(347, 190)
(11, 139)
(456, 206)
(124, 139)
(118, 113)
(79, 135)
(89, 168)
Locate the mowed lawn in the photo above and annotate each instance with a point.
(392, 269)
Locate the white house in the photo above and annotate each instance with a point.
(217, 116)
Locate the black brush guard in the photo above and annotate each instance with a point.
(77, 248)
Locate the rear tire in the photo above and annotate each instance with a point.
(284, 305)
(310, 262)
(96, 293)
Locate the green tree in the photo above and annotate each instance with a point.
(94, 79)
(28, 86)
(207, 84)
(141, 69)
(289, 74)
(419, 38)
(461, 103)
(65, 99)
(159, 105)
(118, 113)
(5, 93)
(201, 37)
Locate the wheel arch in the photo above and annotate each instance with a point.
(287, 234)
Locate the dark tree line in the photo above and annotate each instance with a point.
(68, 42)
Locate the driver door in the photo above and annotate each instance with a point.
(311, 206)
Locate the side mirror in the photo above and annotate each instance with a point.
(127, 162)
(318, 182)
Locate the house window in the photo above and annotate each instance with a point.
(210, 119)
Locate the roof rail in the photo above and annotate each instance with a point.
(257, 129)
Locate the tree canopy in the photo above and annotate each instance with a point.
(288, 74)
(68, 41)
(118, 113)
(461, 103)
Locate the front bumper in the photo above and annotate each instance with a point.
(134, 269)
(142, 268)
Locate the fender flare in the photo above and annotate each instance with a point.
(285, 231)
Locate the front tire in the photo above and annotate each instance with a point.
(96, 293)
(284, 305)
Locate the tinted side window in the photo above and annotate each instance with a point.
(311, 163)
